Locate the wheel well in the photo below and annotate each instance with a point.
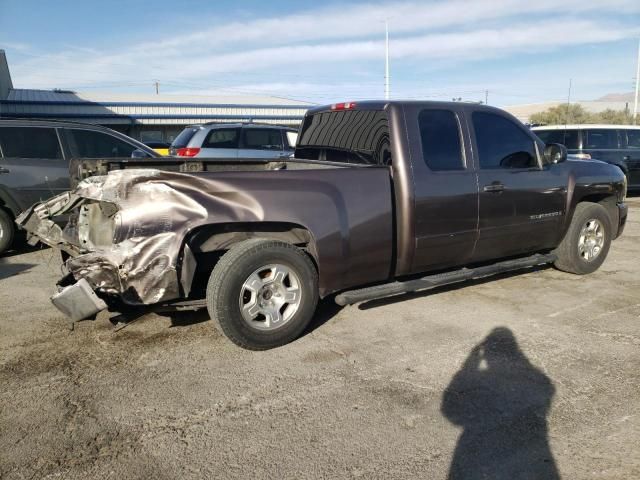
(209, 242)
(608, 202)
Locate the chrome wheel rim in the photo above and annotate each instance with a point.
(270, 297)
(591, 240)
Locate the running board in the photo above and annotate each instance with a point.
(440, 279)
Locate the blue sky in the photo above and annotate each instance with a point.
(321, 52)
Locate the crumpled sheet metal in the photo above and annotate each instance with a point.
(135, 250)
(155, 210)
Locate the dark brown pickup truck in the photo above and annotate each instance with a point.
(378, 195)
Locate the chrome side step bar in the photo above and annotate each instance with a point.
(440, 279)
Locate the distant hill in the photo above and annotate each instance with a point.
(617, 97)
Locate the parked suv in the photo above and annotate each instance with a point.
(615, 144)
(236, 140)
(34, 161)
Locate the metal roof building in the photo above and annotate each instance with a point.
(146, 117)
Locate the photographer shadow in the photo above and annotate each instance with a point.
(501, 401)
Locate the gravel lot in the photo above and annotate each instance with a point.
(532, 375)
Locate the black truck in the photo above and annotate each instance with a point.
(381, 198)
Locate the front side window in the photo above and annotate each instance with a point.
(440, 135)
(501, 143)
(601, 138)
(222, 138)
(30, 142)
(92, 144)
(568, 138)
(262, 139)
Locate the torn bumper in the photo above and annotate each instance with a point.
(78, 301)
(124, 239)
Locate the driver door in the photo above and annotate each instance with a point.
(521, 201)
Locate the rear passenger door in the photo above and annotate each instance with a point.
(522, 201)
(262, 143)
(32, 167)
(221, 143)
(445, 188)
(602, 144)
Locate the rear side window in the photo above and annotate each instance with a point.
(262, 138)
(350, 136)
(182, 140)
(633, 139)
(222, 138)
(92, 144)
(440, 134)
(568, 138)
(30, 142)
(502, 143)
(601, 138)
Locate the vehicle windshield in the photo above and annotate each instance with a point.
(351, 136)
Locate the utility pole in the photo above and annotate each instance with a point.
(486, 97)
(157, 84)
(566, 117)
(386, 60)
(635, 104)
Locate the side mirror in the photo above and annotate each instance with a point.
(555, 153)
(137, 153)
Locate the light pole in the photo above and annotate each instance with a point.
(386, 60)
(635, 102)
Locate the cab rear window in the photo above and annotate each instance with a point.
(350, 136)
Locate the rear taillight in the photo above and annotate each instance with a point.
(343, 106)
(187, 152)
(582, 156)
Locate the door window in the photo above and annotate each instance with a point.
(30, 142)
(633, 139)
(568, 138)
(501, 143)
(222, 138)
(440, 135)
(92, 144)
(601, 138)
(262, 139)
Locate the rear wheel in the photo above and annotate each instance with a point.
(7, 230)
(263, 293)
(586, 243)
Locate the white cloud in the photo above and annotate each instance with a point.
(324, 39)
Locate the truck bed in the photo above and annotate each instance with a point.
(84, 168)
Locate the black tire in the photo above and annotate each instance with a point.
(7, 230)
(226, 284)
(569, 257)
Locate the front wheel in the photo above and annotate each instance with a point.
(586, 243)
(7, 230)
(263, 293)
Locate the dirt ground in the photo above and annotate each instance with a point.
(533, 375)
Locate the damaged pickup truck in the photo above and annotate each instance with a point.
(379, 195)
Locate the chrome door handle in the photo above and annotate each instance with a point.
(494, 188)
(4, 170)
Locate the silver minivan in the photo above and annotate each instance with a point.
(236, 140)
